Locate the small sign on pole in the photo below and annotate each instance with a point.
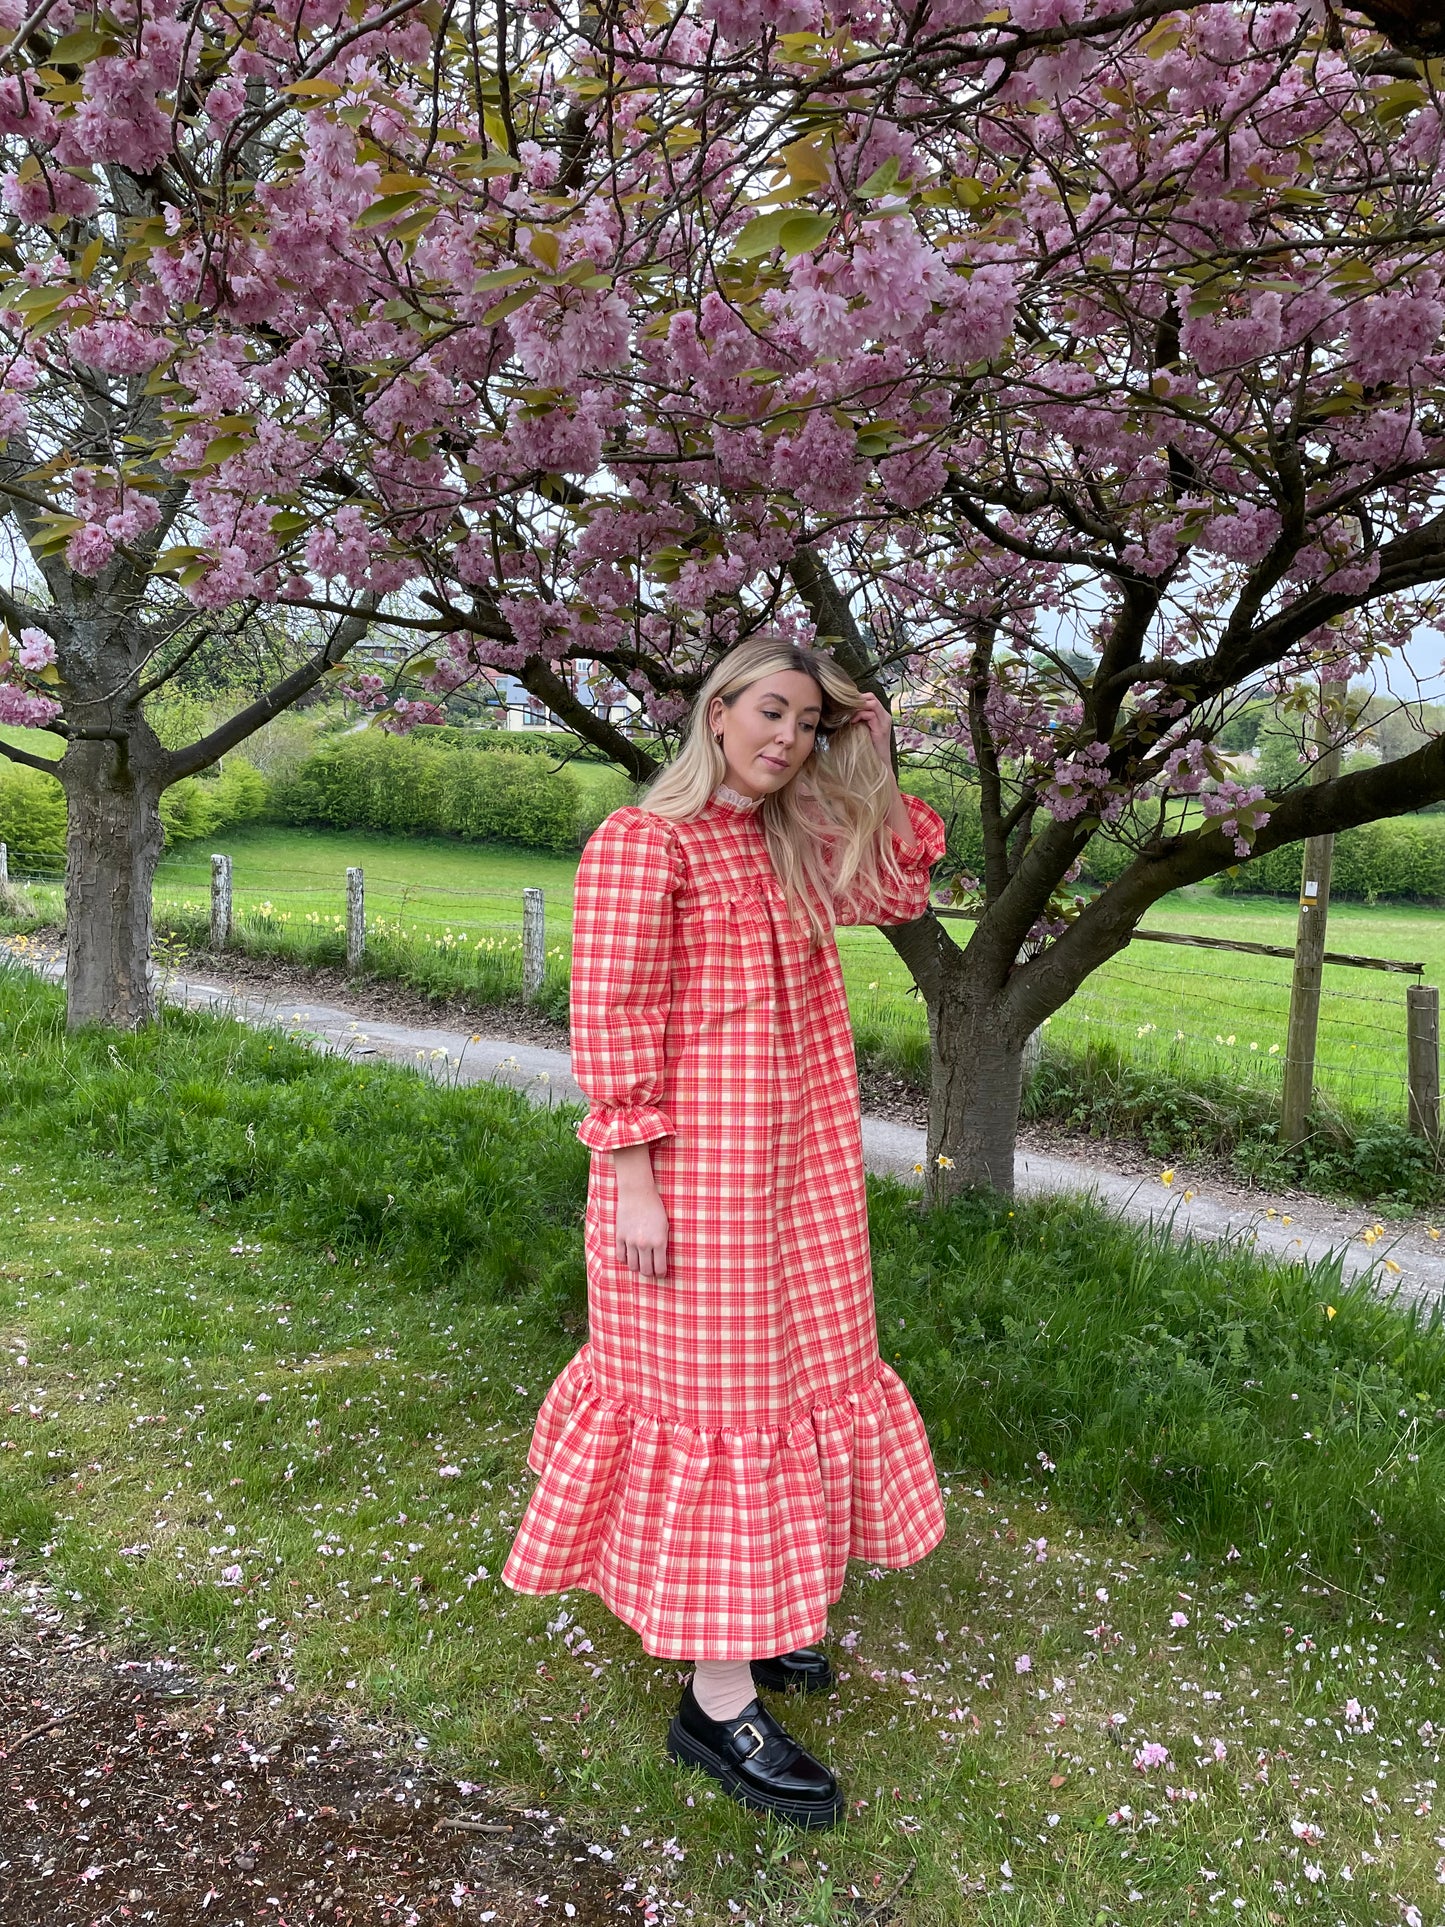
(534, 943)
(221, 914)
(355, 918)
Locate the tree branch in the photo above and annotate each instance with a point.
(201, 754)
(538, 677)
(833, 618)
(1040, 988)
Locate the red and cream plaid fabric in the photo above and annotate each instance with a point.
(729, 1436)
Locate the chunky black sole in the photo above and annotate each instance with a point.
(687, 1751)
(781, 1682)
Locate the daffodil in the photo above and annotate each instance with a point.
(1166, 1177)
(946, 1163)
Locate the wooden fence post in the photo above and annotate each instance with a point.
(1422, 1054)
(1309, 953)
(355, 917)
(221, 915)
(534, 943)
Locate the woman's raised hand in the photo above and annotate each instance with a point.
(872, 716)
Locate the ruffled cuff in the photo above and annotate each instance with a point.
(613, 1127)
(930, 833)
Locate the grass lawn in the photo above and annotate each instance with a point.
(40, 742)
(274, 1332)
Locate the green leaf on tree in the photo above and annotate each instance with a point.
(76, 49)
(388, 207)
(802, 232)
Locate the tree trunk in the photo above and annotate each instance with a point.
(976, 1085)
(112, 846)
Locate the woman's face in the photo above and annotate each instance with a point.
(768, 732)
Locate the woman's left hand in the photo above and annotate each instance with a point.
(873, 717)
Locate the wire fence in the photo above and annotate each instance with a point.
(1228, 1016)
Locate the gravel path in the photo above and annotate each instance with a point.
(528, 1053)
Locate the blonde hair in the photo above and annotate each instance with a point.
(825, 827)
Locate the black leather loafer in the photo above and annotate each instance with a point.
(757, 1762)
(804, 1671)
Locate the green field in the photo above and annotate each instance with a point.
(1209, 995)
(449, 914)
(275, 1329)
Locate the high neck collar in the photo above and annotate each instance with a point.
(734, 800)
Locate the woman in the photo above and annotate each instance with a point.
(730, 1437)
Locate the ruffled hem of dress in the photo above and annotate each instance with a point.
(719, 1544)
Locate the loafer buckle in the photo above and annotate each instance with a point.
(748, 1727)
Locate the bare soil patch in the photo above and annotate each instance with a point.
(133, 1790)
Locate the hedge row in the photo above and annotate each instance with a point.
(32, 807)
(1404, 856)
(414, 787)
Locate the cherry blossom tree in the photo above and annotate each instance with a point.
(1099, 382)
(241, 338)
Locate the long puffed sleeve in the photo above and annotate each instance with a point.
(622, 925)
(908, 898)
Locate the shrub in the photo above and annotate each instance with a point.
(199, 806)
(613, 792)
(32, 813)
(1401, 857)
(956, 800)
(32, 807)
(372, 781)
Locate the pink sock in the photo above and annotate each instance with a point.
(723, 1687)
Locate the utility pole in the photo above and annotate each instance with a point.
(1309, 951)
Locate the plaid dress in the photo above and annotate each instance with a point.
(729, 1436)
